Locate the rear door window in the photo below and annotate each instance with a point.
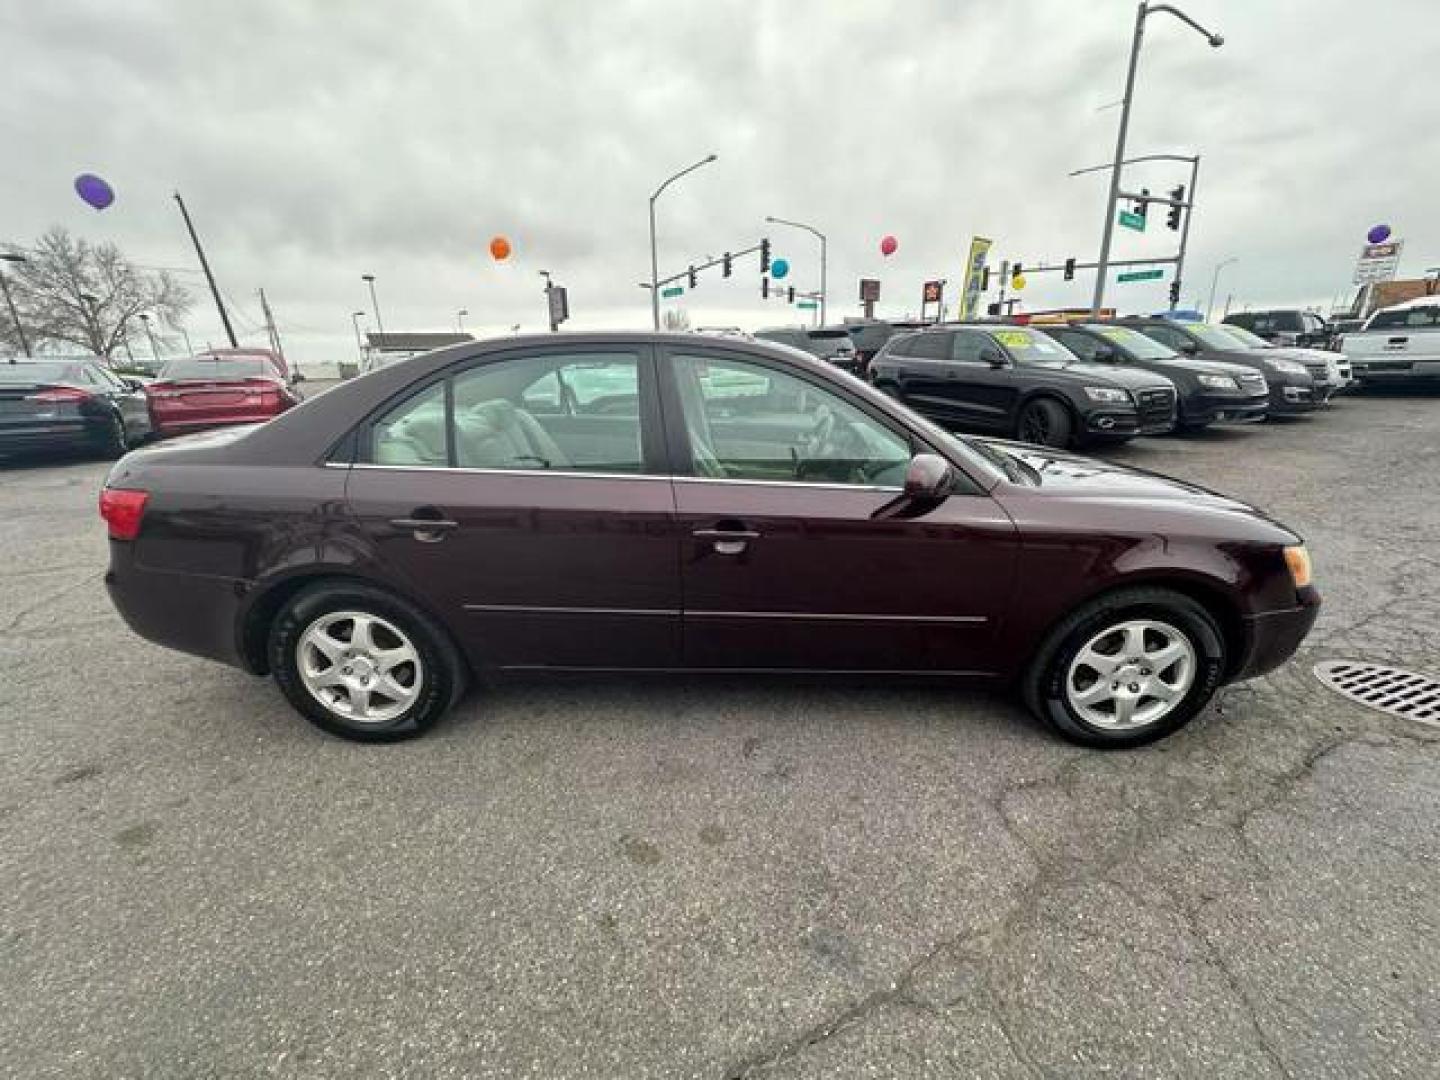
(930, 347)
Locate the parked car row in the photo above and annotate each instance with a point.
(1080, 383)
(81, 404)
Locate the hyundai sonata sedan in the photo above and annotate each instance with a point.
(652, 502)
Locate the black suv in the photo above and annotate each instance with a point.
(1292, 386)
(985, 377)
(829, 343)
(1210, 391)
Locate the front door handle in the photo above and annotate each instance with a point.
(727, 541)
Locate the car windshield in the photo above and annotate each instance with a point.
(1424, 317)
(1245, 337)
(40, 373)
(1027, 345)
(1135, 343)
(1212, 337)
(218, 367)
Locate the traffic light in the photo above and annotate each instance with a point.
(984, 279)
(790, 295)
(1142, 205)
(1070, 269)
(993, 309)
(1016, 271)
(1172, 219)
(764, 256)
(692, 277)
(764, 288)
(1175, 291)
(725, 265)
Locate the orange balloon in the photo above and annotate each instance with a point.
(500, 248)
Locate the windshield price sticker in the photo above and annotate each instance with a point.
(1013, 339)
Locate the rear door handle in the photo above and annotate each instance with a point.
(727, 541)
(428, 525)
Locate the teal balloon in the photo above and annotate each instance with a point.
(779, 268)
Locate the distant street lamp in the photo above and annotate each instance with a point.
(154, 349)
(369, 279)
(817, 233)
(1145, 8)
(1215, 283)
(11, 257)
(460, 320)
(355, 317)
(654, 256)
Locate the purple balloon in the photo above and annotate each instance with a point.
(1378, 234)
(94, 191)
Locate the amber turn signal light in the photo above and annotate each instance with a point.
(1298, 560)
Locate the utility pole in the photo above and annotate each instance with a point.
(1111, 199)
(355, 317)
(549, 311)
(369, 279)
(1185, 231)
(11, 257)
(209, 277)
(275, 333)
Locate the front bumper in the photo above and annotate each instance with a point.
(1293, 398)
(1272, 637)
(1202, 409)
(1123, 422)
(1382, 369)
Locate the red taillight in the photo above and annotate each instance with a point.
(59, 393)
(123, 510)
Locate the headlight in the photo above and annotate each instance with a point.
(1298, 560)
(1219, 382)
(1289, 367)
(1107, 393)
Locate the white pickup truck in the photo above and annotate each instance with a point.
(1397, 343)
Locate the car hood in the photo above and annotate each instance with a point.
(1067, 475)
(1103, 374)
(1196, 366)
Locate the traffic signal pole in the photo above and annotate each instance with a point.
(1185, 232)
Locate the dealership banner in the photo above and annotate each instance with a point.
(979, 249)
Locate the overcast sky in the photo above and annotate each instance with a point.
(316, 141)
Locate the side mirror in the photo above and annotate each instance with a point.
(1189, 348)
(929, 479)
(1106, 355)
(993, 357)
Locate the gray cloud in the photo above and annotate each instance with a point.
(317, 141)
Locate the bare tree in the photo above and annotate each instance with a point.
(677, 319)
(70, 292)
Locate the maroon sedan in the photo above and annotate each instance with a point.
(229, 386)
(638, 502)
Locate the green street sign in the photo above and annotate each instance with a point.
(809, 305)
(1141, 275)
(1132, 221)
(672, 292)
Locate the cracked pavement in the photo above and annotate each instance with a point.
(738, 878)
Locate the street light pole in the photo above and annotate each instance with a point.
(209, 277)
(654, 254)
(369, 279)
(1185, 232)
(355, 317)
(11, 257)
(549, 311)
(1112, 197)
(460, 320)
(821, 237)
(1215, 283)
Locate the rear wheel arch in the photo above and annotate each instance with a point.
(263, 610)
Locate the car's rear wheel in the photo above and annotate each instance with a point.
(1045, 422)
(116, 440)
(363, 664)
(1128, 668)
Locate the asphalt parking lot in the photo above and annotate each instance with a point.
(730, 879)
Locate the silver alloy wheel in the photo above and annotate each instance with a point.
(1131, 675)
(359, 666)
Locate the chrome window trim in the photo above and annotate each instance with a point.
(525, 609)
(652, 477)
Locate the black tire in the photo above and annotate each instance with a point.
(441, 671)
(117, 440)
(1045, 422)
(1043, 686)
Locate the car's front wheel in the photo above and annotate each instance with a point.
(1045, 422)
(363, 664)
(1127, 668)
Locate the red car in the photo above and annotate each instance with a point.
(228, 386)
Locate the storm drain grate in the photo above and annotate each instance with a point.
(1392, 690)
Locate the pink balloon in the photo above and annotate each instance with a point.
(889, 245)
